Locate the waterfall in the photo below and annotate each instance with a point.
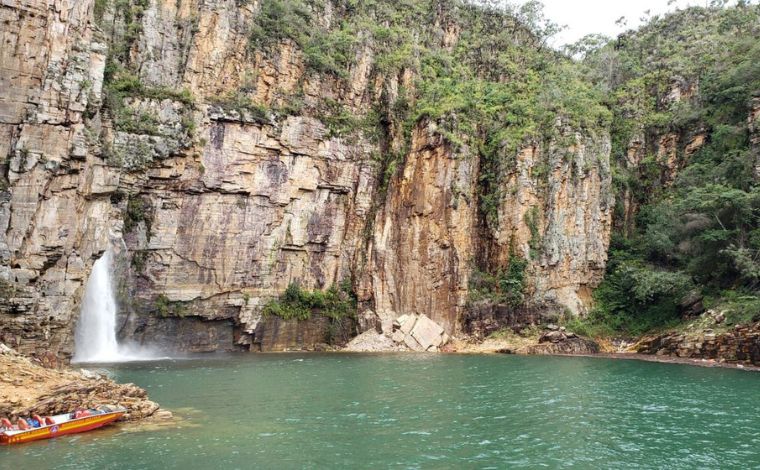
(95, 339)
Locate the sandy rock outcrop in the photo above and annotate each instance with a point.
(26, 388)
(556, 340)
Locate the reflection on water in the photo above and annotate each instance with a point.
(423, 411)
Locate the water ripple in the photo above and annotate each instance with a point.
(420, 411)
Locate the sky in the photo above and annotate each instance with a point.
(584, 17)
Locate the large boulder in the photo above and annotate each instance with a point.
(411, 332)
(419, 333)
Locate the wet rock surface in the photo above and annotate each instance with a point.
(318, 333)
(192, 334)
(26, 387)
(484, 318)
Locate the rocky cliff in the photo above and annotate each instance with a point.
(55, 203)
(556, 213)
(225, 164)
(740, 344)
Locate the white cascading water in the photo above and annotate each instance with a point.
(95, 339)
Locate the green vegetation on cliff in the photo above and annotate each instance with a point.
(495, 89)
(138, 211)
(688, 204)
(675, 96)
(168, 308)
(337, 302)
(505, 287)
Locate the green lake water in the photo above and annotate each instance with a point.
(423, 411)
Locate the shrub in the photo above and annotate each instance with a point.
(138, 211)
(139, 260)
(337, 302)
(330, 52)
(635, 298)
(504, 287)
(242, 104)
(278, 20)
(532, 219)
(120, 84)
(7, 290)
(167, 308)
(696, 231)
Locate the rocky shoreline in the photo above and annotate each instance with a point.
(738, 348)
(741, 344)
(27, 387)
(419, 333)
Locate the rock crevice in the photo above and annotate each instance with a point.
(228, 174)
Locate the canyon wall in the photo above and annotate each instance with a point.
(429, 232)
(218, 192)
(54, 209)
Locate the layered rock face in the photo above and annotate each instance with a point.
(318, 333)
(558, 214)
(742, 344)
(225, 220)
(423, 243)
(222, 196)
(430, 233)
(274, 205)
(53, 211)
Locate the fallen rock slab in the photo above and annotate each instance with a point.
(372, 341)
(428, 333)
(419, 333)
(555, 336)
(411, 332)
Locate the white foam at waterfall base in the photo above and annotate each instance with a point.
(95, 339)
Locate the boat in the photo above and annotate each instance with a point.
(61, 425)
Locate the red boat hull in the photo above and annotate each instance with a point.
(73, 426)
